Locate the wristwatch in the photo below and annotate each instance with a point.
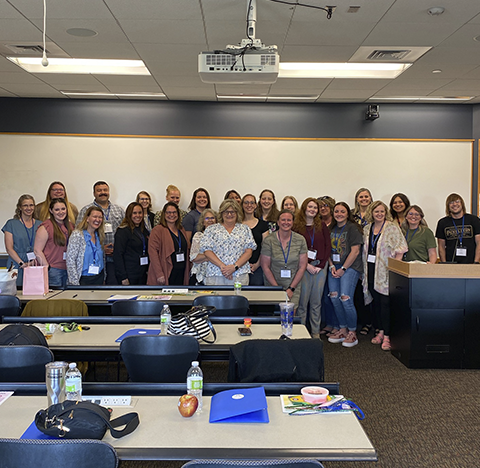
(291, 289)
(236, 267)
(343, 268)
(20, 264)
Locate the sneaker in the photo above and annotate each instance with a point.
(386, 346)
(351, 340)
(315, 336)
(338, 337)
(378, 339)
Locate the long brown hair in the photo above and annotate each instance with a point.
(127, 221)
(45, 211)
(163, 221)
(59, 237)
(274, 211)
(300, 223)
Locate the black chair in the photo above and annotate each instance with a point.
(159, 358)
(276, 361)
(277, 463)
(137, 308)
(55, 453)
(226, 305)
(24, 363)
(10, 306)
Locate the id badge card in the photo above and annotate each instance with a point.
(108, 228)
(180, 257)
(143, 260)
(461, 252)
(336, 258)
(371, 258)
(31, 256)
(93, 270)
(312, 254)
(64, 255)
(285, 273)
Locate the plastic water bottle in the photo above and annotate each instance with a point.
(237, 287)
(195, 383)
(165, 319)
(73, 383)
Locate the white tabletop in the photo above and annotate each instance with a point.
(164, 434)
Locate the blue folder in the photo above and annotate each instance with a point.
(247, 405)
(138, 332)
(33, 433)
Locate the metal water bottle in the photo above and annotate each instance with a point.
(55, 380)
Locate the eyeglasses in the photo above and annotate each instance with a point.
(170, 212)
(229, 213)
(58, 189)
(454, 202)
(324, 206)
(209, 218)
(144, 199)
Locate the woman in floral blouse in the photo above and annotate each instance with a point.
(228, 247)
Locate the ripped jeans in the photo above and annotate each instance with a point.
(344, 308)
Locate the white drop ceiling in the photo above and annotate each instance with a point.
(168, 35)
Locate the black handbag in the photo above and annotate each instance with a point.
(195, 322)
(83, 420)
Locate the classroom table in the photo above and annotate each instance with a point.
(163, 434)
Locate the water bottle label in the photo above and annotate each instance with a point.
(194, 383)
(163, 319)
(73, 384)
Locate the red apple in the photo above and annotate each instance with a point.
(187, 405)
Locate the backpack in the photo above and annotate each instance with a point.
(22, 335)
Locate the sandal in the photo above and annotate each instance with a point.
(378, 339)
(366, 329)
(325, 331)
(386, 345)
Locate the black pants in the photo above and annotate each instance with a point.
(381, 309)
(93, 280)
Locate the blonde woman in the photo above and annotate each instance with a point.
(199, 260)
(172, 195)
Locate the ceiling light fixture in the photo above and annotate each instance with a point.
(82, 66)
(81, 32)
(341, 70)
(100, 94)
(421, 98)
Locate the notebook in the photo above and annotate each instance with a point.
(248, 405)
(138, 332)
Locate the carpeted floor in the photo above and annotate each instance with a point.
(414, 418)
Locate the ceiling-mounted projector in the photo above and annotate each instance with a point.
(240, 65)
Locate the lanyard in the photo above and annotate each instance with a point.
(179, 240)
(460, 236)
(337, 238)
(107, 212)
(312, 237)
(94, 251)
(374, 238)
(408, 230)
(142, 238)
(288, 253)
(30, 239)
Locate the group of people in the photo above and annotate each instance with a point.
(329, 259)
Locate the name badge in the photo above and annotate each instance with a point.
(285, 273)
(461, 252)
(143, 260)
(64, 255)
(30, 256)
(180, 257)
(312, 254)
(108, 228)
(371, 259)
(93, 270)
(336, 258)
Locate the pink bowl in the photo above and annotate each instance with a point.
(315, 395)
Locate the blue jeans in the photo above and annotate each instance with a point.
(344, 308)
(311, 294)
(57, 278)
(328, 312)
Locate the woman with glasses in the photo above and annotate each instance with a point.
(55, 190)
(148, 215)
(199, 261)
(169, 250)
(260, 231)
(382, 239)
(228, 247)
(200, 201)
(267, 209)
(51, 243)
(326, 205)
(130, 255)
(284, 257)
(398, 205)
(420, 239)
(20, 236)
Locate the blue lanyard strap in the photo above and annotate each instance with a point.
(105, 212)
(178, 238)
(406, 236)
(460, 236)
(30, 239)
(312, 237)
(142, 238)
(92, 245)
(337, 238)
(288, 252)
(374, 238)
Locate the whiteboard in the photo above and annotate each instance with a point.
(426, 171)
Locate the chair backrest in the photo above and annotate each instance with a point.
(55, 453)
(10, 305)
(55, 307)
(230, 305)
(277, 361)
(277, 463)
(159, 358)
(24, 363)
(137, 308)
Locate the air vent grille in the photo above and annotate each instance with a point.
(388, 55)
(26, 49)
(220, 60)
(353, 9)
